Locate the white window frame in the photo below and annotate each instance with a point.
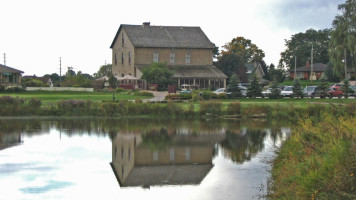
(187, 58)
(155, 57)
(172, 57)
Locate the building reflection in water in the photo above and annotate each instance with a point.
(9, 140)
(161, 157)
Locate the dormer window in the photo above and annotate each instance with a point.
(155, 57)
(122, 58)
(172, 57)
(187, 58)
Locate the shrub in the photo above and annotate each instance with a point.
(34, 103)
(144, 93)
(211, 107)
(120, 90)
(15, 89)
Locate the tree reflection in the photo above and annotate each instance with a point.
(241, 147)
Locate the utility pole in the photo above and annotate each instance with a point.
(60, 71)
(311, 66)
(295, 67)
(5, 59)
(345, 64)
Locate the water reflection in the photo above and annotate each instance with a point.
(162, 157)
(210, 157)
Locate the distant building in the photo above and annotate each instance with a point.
(10, 77)
(306, 73)
(256, 68)
(186, 50)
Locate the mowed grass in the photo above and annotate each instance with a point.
(53, 97)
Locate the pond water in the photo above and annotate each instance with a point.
(136, 158)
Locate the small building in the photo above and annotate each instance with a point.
(186, 50)
(256, 68)
(306, 72)
(10, 77)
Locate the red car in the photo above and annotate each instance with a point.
(335, 91)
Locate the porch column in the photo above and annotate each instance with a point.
(209, 82)
(224, 83)
(178, 83)
(194, 81)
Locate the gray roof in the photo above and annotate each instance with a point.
(317, 67)
(165, 175)
(7, 69)
(193, 71)
(165, 36)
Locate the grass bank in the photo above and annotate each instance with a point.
(10, 106)
(318, 161)
(53, 97)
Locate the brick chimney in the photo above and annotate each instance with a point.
(146, 24)
(307, 64)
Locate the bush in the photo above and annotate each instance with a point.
(211, 107)
(145, 94)
(34, 103)
(15, 89)
(2, 89)
(120, 90)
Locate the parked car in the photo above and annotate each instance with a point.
(312, 91)
(353, 90)
(335, 91)
(268, 92)
(243, 90)
(222, 91)
(287, 91)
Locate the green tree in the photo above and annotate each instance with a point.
(297, 89)
(112, 80)
(231, 64)
(158, 73)
(300, 45)
(233, 86)
(254, 90)
(275, 91)
(104, 70)
(346, 90)
(323, 88)
(243, 48)
(343, 38)
(330, 75)
(274, 74)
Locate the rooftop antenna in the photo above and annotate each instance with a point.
(5, 59)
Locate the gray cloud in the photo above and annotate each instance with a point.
(302, 14)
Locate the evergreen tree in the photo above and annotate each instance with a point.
(254, 90)
(297, 89)
(233, 86)
(275, 91)
(323, 88)
(112, 81)
(346, 88)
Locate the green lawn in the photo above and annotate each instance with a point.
(302, 82)
(53, 97)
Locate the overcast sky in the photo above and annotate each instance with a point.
(35, 33)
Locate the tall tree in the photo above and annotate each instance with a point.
(229, 63)
(244, 48)
(254, 90)
(343, 38)
(104, 70)
(300, 45)
(233, 87)
(158, 73)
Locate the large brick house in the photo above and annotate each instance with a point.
(306, 72)
(186, 50)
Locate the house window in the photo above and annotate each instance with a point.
(122, 75)
(122, 58)
(122, 40)
(171, 154)
(155, 57)
(155, 155)
(129, 57)
(115, 59)
(187, 58)
(172, 57)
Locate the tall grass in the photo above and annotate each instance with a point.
(318, 161)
